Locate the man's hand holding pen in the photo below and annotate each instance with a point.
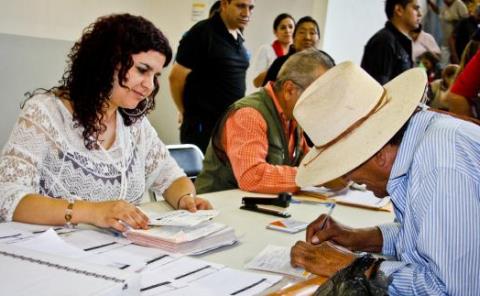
(330, 245)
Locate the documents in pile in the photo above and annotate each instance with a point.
(185, 233)
(90, 262)
(356, 198)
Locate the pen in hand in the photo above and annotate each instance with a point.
(332, 206)
(314, 239)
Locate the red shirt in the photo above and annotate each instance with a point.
(467, 83)
(246, 144)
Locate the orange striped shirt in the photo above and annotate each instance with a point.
(245, 142)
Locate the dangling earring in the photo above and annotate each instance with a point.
(139, 110)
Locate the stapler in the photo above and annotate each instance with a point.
(282, 200)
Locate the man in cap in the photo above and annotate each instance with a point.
(428, 162)
(257, 145)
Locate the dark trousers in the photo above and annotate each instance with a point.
(196, 131)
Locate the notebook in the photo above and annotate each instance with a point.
(28, 272)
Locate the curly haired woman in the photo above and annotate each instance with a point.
(83, 151)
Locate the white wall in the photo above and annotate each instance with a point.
(35, 36)
(348, 26)
(38, 23)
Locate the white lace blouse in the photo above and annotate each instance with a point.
(46, 155)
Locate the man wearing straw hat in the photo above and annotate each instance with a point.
(429, 164)
(257, 145)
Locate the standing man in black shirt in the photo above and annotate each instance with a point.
(389, 52)
(209, 73)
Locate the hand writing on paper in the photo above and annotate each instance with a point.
(360, 239)
(109, 213)
(193, 204)
(324, 259)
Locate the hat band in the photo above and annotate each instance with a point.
(380, 104)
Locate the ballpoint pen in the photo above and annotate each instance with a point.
(332, 206)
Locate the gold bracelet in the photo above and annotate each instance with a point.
(68, 215)
(182, 196)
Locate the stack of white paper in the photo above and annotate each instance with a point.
(185, 233)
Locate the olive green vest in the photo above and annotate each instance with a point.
(217, 173)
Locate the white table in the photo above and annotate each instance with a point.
(251, 231)
(250, 226)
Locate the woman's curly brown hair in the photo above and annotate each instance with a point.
(105, 46)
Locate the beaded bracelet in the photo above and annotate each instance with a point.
(68, 215)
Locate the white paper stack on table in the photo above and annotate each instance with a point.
(184, 232)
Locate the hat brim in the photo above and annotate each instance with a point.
(404, 94)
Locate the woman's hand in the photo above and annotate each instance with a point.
(193, 204)
(324, 259)
(110, 213)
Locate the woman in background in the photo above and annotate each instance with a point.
(283, 27)
(306, 35)
(83, 151)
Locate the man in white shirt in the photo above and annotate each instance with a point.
(422, 42)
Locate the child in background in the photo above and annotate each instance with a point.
(440, 87)
(431, 63)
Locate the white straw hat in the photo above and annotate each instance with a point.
(349, 117)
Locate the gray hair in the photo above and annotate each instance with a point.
(302, 67)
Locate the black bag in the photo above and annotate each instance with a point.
(352, 280)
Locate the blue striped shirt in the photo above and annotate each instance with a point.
(435, 187)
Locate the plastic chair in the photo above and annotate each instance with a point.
(189, 157)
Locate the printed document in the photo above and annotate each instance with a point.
(276, 259)
(181, 217)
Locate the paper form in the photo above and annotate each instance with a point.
(190, 290)
(149, 258)
(8, 233)
(176, 274)
(362, 198)
(238, 282)
(178, 234)
(94, 241)
(186, 269)
(151, 285)
(181, 217)
(49, 242)
(276, 259)
(188, 276)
